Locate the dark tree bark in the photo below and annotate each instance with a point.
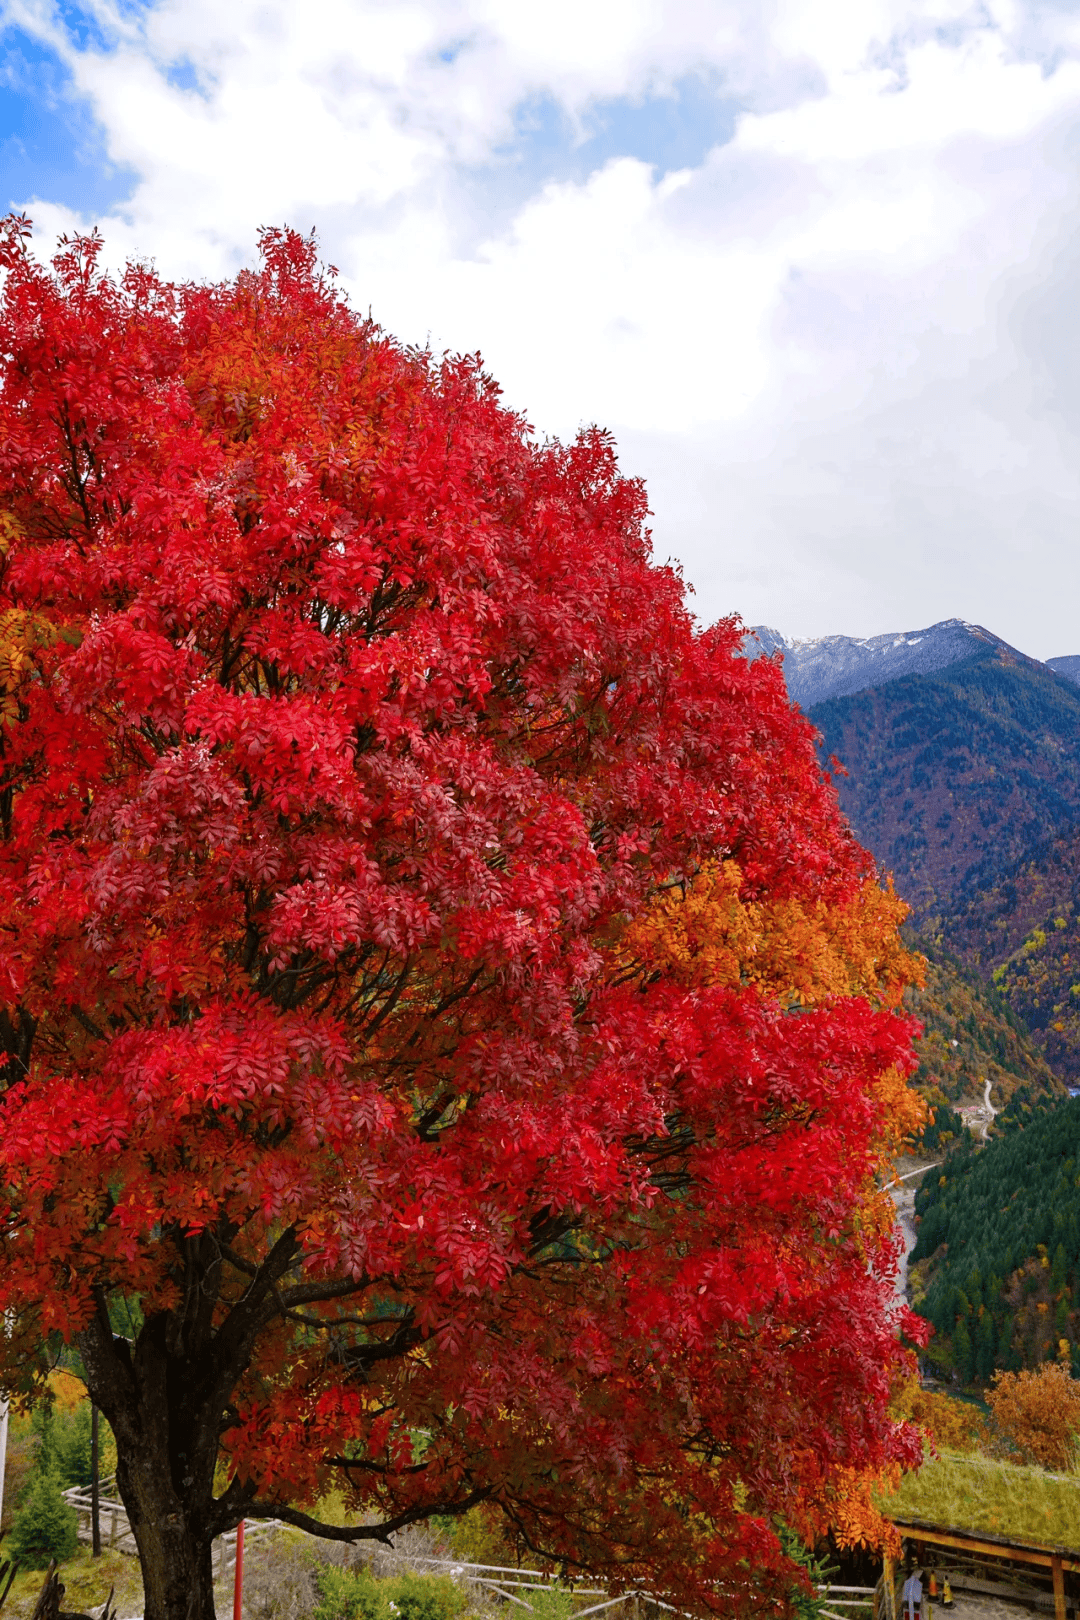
(166, 1447)
(166, 1393)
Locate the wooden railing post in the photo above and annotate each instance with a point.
(238, 1574)
(1059, 1588)
(95, 1487)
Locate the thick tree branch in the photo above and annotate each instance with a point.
(361, 1532)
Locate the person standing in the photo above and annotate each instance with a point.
(911, 1596)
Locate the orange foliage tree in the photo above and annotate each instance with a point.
(1039, 1411)
(949, 1424)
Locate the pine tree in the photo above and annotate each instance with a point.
(984, 1346)
(1059, 1269)
(962, 1350)
(43, 1424)
(73, 1461)
(45, 1526)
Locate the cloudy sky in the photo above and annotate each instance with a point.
(815, 262)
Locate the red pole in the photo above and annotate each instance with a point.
(238, 1582)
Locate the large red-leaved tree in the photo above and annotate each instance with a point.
(349, 741)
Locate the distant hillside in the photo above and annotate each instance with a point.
(996, 1267)
(1069, 667)
(971, 1035)
(955, 776)
(837, 666)
(963, 762)
(1023, 933)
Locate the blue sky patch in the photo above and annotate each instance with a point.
(85, 30)
(184, 75)
(50, 145)
(672, 131)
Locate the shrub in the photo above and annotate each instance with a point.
(1039, 1411)
(481, 1536)
(352, 1595)
(953, 1425)
(556, 1603)
(45, 1526)
(357, 1595)
(427, 1597)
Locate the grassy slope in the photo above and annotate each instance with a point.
(980, 1493)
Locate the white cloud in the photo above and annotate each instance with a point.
(822, 340)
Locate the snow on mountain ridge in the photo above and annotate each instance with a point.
(822, 667)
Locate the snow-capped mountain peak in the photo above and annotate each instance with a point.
(824, 667)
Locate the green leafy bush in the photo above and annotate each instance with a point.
(356, 1595)
(557, 1603)
(45, 1526)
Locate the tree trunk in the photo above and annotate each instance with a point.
(166, 1449)
(166, 1392)
(176, 1559)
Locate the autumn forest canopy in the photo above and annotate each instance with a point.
(438, 986)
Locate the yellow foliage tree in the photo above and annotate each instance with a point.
(949, 1425)
(1039, 1411)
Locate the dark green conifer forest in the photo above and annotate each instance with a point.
(997, 1261)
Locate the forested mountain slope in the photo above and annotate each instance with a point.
(1023, 933)
(998, 1249)
(963, 778)
(955, 776)
(972, 1035)
(1068, 666)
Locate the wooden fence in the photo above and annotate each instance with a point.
(116, 1529)
(511, 1584)
(112, 1516)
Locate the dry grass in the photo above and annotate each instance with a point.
(972, 1492)
(87, 1581)
(280, 1576)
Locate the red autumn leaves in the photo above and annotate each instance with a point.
(354, 755)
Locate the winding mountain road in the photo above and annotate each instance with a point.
(903, 1198)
